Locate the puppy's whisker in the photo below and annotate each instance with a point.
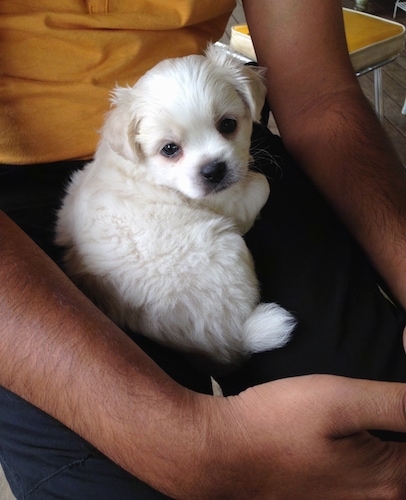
(266, 163)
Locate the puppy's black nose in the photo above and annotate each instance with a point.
(214, 172)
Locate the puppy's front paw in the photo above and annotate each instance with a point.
(255, 195)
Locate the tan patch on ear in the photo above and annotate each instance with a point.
(134, 143)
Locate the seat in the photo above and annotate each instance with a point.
(372, 42)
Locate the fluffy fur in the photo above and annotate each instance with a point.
(153, 226)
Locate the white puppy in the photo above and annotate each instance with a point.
(152, 227)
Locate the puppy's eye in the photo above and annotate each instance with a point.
(170, 150)
(227, 126)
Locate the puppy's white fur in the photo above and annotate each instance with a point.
(152, 227)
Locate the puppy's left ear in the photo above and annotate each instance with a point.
(248, 80)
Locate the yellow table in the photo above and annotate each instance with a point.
(372, 42)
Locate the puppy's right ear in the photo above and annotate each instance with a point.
(120, 125)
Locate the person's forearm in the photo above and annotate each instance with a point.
(60, 353)
(328, 126)
(363, 179)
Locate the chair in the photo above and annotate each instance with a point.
(372, 43)
(402, 6)
(399, 5)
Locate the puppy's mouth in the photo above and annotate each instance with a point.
(216, 176)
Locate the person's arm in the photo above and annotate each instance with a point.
(328, 126)
(58, 351)
(295, 438)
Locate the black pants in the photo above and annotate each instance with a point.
(306, 261)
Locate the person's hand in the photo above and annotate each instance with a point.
(306, 437)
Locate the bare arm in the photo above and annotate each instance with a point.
(59, 352)
(329, 127)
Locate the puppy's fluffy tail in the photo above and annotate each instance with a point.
(269, 327)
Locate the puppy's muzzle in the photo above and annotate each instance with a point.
(214, 172)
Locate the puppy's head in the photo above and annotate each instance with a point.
(187, 123)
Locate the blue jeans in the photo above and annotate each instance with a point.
(305, 260)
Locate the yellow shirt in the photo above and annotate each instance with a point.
(59, 60)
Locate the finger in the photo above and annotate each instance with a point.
(364, 404)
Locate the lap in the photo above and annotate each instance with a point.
(305, 260)
(308, 262)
